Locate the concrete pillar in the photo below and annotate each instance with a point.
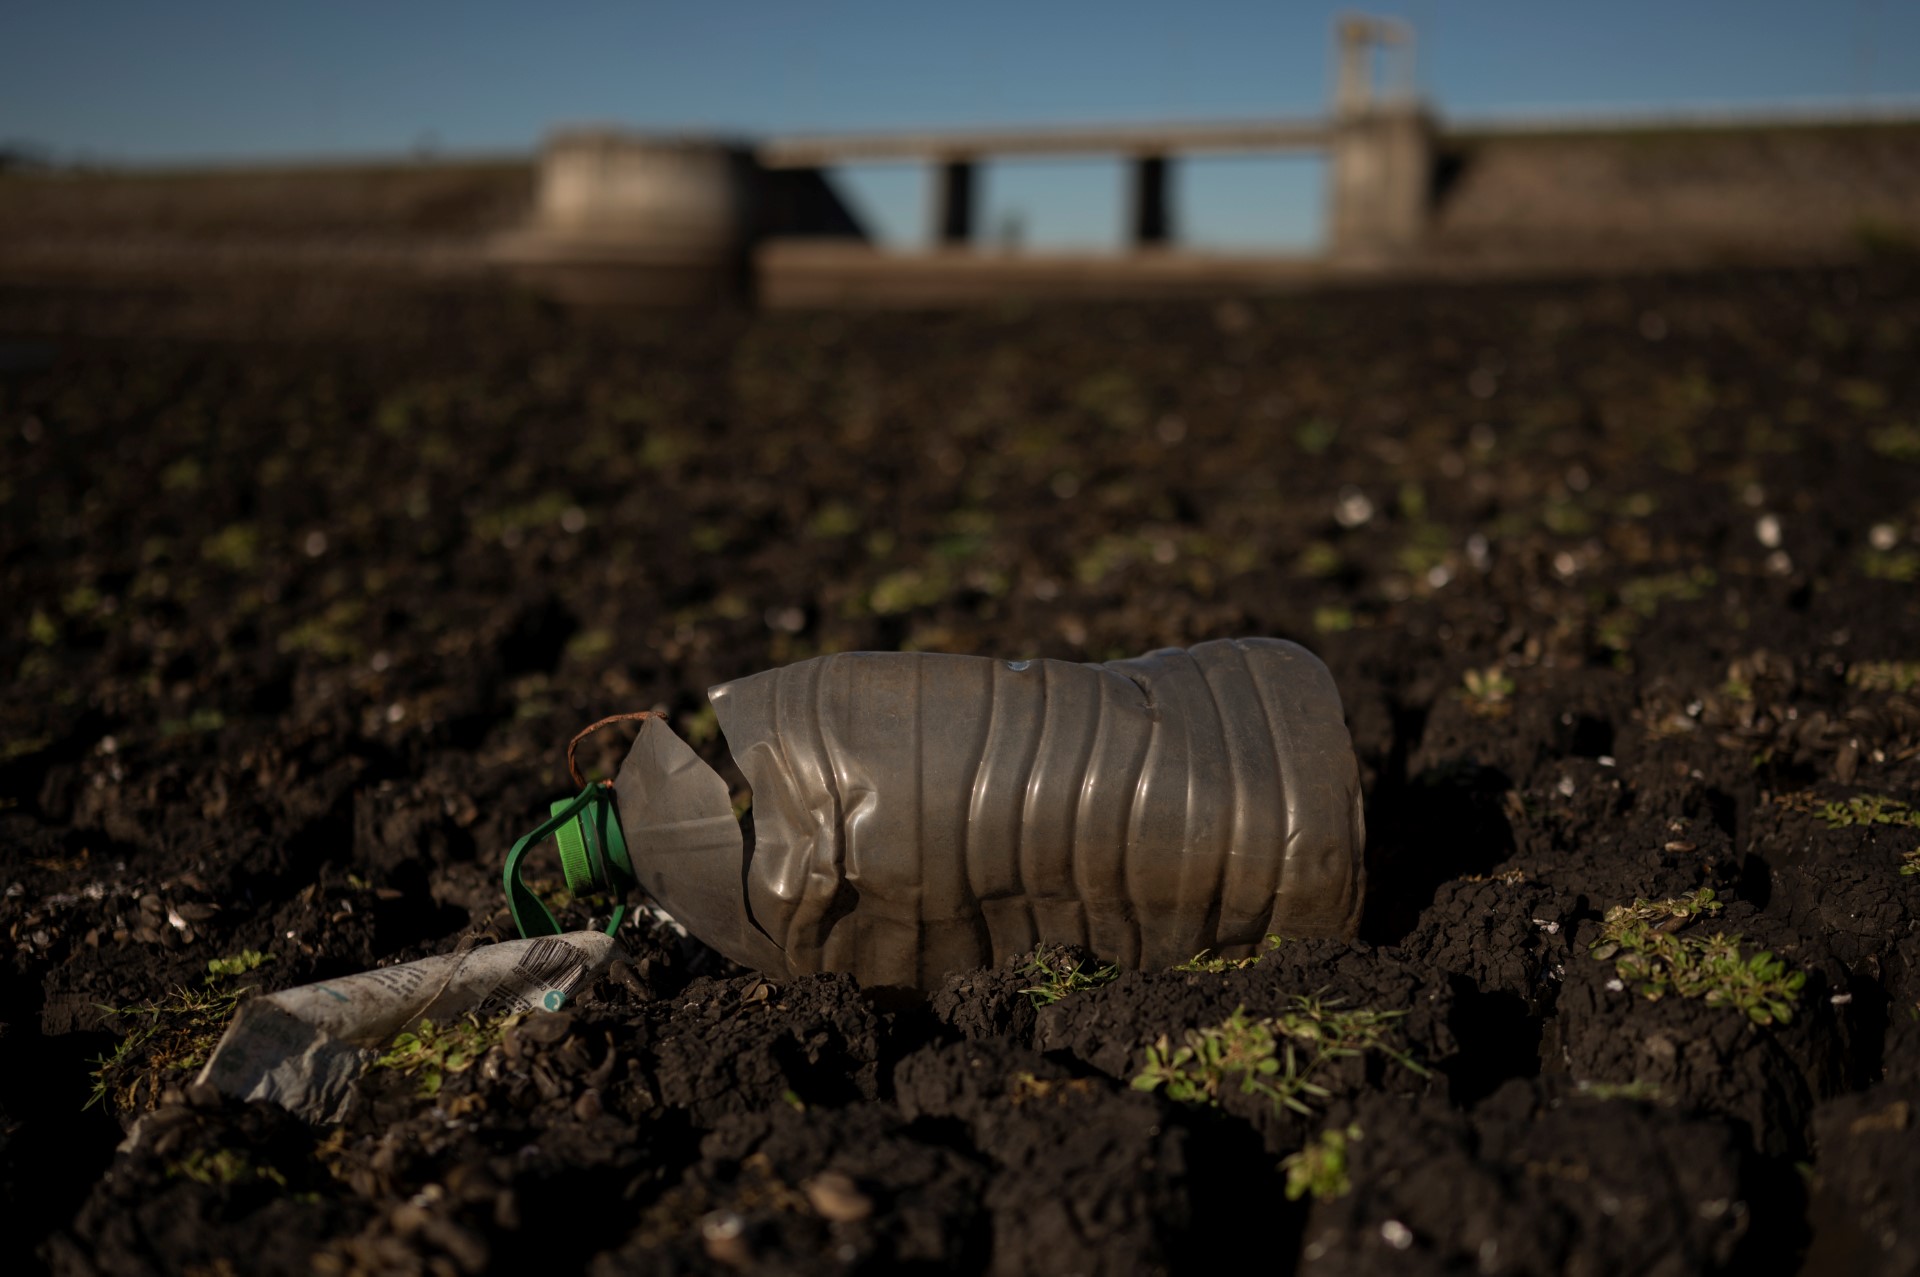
(683, 196)
(1380, 183)
(624, 217)
(953, 203)
(1357, 37)
(1152, 210)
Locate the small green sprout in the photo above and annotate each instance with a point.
(236, 547)
(23, 747)
(701, 726)
(1868, 809)
(1321, 560)
(430, 1052)
(1195, 1071)
(1663, 915)
(1319, 1169)
(238, 964)
(1646, 1091)
(1056, 974)
(1277, 1057)
(1652, 959)
(223, 1166)
(1641, 600)
(199, 722)
(1890, 565)
(1332, 619)
(1488, 692)
(1200, 962)
(1884, 676)
(1900, 441)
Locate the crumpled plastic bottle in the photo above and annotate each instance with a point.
(918, 814)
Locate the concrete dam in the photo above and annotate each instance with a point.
(620, 216)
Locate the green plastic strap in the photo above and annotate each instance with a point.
(593, 855)
(577, 862)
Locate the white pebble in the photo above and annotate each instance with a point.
(1353, 509)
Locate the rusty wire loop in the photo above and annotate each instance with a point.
(573, 768)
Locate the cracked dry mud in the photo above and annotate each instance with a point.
(1618, 582)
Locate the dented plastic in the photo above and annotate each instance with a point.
(917, 814)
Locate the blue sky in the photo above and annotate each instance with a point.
(120, 80)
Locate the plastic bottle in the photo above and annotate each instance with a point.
(917, 814)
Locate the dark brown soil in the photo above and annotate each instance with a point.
(303, 611)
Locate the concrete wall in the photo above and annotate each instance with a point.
(1685, 195)
(394, 220)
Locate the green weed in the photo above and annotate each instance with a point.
(238, 964)
(1319, 1169)
(328, 635)
(173, 1035)
(430, 1052)
(1488, 692)
(1056, 974)
(1648, 1091)
(1645, 595)
(1277, 1057)
(1648, 955)
(1320, 560)
(1331, 619)
(1891, 565)
(1315, 435)
(701, 726)
(833, 520)
(1641, 600)
(590, 644)
(23, 747)
(201, 722)
(1666, 915)
(505, 524)
(1426, 547)
(222, 1166)
(907, 590)
(1900, 441)
(1884, 676)
(1868, 809)
(235, 547)
(1215, 966)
